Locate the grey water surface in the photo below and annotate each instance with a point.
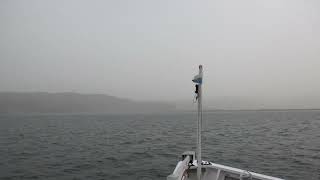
(285, 144)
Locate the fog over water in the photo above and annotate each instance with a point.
(149, 50)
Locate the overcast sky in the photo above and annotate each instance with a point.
(150, 50)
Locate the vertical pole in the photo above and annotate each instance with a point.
(199, 159)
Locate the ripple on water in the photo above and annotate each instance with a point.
(284, 144)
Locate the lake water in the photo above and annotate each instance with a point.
(285, 144)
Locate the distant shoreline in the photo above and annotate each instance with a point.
(75, 103)
(70, 102)
(214, 110)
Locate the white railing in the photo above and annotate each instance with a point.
(179, 171)
(222, 168)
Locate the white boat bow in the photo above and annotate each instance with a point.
(186, 169)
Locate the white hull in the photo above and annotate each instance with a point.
(187, 170)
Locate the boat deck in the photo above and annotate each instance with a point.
(221, 172)
(187, 170)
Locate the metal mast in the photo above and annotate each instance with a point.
(198, 80)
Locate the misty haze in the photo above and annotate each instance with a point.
(114, 90)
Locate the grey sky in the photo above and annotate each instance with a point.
(150, 50)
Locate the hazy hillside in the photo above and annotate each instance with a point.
(41, 102)
(253, 103)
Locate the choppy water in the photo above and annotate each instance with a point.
(280, 143)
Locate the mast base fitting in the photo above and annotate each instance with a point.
(192, 155)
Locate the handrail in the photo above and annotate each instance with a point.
(240, 171)
(180, 169)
